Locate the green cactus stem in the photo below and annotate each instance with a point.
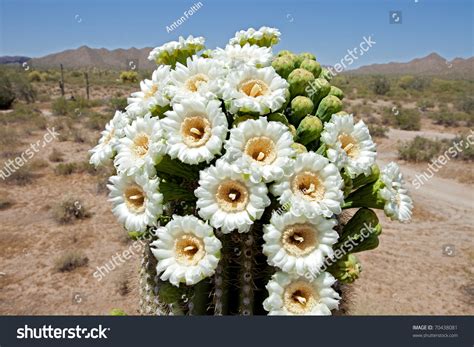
(362, 179)
(173, 167)
(173, 191)
(199, 302)
(247, 271)
(220, 299)
(366, 196)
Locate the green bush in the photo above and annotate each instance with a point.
(377, 130)
(466, 105)
(129, 76)
(118, 104)
(381, 85)
(7, 96)
(420, 149)
(402, 118)
(467, 145)
(450, 119)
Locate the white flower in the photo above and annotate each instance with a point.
(297, 244)
(314, 188)
(142, 146)
(264, 36)
(235, 56)
(349, 146)
(168, 53)
(187, 250)
(398, 204)
(200, 76)
(153, 93)
(290, 295)
(262, 149)
(255, 90)
(227, 200)
(105, 150)
(195, 130)
(137, 201)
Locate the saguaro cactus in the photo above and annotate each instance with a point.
(249, 187)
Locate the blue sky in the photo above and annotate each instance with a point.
(327, 28)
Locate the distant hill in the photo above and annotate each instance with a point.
(119, 59)
(432, 64)
(103, 58)
(13, 59)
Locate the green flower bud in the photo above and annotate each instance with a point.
(317, 90)
(299, 80)
(327, 107)
(278, 117)
(309, 130)
(342, 113)
(300, 107)
(347, 269)
(306, 55)
(283, 65)
(336, 92)
(312, 66)
(326, 74)
(284, 52)
(362, 179)
(299, 148)
(361, 232)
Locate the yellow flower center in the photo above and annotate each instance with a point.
(135, 198)
(308, 185)
(261, 149)
(300, 239)
(151, 92)
(300, 297)
(232, 196)
(195, 82)
(189, 250)
(196, 131)
(254, 88)
(140, 144)
(349, 145)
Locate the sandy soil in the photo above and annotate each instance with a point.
(424, 267)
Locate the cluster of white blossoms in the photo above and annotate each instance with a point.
(215, 133)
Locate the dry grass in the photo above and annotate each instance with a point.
(70, 261)
(56, 156)
(70, 210)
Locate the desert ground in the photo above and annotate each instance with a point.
(48, 255)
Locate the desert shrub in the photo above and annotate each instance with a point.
(76, 73)
(129, 77)
(21, 177)
(56, 156)
(425, 104)
(97, 121)
(69, 211)
(412, 82)
(65, 169)
(466, 105)
(377, 130)
(402, 118)
(60, 107)
(7, 96)
(78, 136)
(467, 144)
(118, 104)
(22, 87)
(420, 149)
(35, 76)
(70, 261)
(447, 118)
(381, 85)
(38, 164)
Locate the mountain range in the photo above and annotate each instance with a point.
(124, 59)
